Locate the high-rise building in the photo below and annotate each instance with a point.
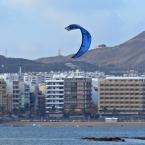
(54, 97)
(41, 105)
(77, 94)
(122, 95)
(3, 97)
(21, 94)
(16, 94)
(24, 95)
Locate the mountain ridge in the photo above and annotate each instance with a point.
(126, 56)
(123, 57)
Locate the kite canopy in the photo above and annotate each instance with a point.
(86, 39)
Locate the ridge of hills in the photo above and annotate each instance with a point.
(126, 56)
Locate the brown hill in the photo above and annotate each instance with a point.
(123, 57)
(13, 65)
(126, 56)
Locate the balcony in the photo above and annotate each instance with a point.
(54, 103)
(57, 98)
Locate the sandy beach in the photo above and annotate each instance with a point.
(74, 124)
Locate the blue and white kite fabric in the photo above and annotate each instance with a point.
(86, 39)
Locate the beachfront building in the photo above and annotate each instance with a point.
(77, 94)
(121, 95)
(41, 105)
(24, 95)
(3, 97)
(54, 97)
(16, 94)
(19, 92)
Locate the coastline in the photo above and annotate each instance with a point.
(73, 124)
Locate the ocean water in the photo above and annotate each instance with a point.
(67, 135)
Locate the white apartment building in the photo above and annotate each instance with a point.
(54, 95)
(21, 94)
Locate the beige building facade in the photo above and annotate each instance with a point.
(121, 95)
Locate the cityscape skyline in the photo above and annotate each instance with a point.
(70, 93)
(80, 87)
(28, 26)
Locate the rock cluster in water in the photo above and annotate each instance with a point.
(116, 139)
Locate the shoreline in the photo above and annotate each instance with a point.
(73, 124)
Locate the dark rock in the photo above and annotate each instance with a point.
(141, 138)
(116, 139)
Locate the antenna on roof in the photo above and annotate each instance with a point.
(59, 52)
(6, 52)
(20, 70)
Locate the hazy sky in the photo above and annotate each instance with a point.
(35, 28)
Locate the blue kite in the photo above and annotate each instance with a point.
(86, 39)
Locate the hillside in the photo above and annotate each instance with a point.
(123, 57)
(13, 64)
(126, 56)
